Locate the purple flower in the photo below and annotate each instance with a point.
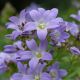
(25, 73)
(57, 73)
(22, 55)
(75, 50)
(22, 71)
(77, 17)
(18, 24)
(39, 53)
(13, 48)
(43, 20)
(59, 35)
(73, 28)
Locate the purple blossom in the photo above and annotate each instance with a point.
(73, 28)
(43, 20)
(57, 73)
(39, 53)
(59, 35)
(75, 50)
(18, 24)
(22, 56)
(13, 48)
(77, 17)
(25, 73)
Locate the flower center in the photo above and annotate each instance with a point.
(53, 74)
(57, 34)
(38, 55)
(37, 78)
(41, 26)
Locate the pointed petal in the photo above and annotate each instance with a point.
(46, 56)
(42, 34)
(62, 72)
(45, 76)
(11, 26)
(43, 45)
(33, 63)
(35, 15)
(16, 76)
(32, 45)
(14, 19)
(30, 26)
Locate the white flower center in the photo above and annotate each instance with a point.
(38, 55)
(37, 77)
(53, 74)
(41, 26)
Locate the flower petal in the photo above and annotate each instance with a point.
(14, 20)
(45, 76)
(33, 63)
(35, 15)
(46, 56)
(11, 26)
(16, 76)
(42, 34)
(30, 26)
(43, 45)
(62, 72)
(32, 45)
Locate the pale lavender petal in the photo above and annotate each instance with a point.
(40, 67)
(53, 13)
(32, 45)
(14, 19)
(28, 77)
(29, 26)
(75, 50)
(45, 76)
(22, 14)
(42, 34)
(21, 68)
(62, 72)
(11, 26)
(16, 76)
(75, 29)
(46, 56)
(10, 49)
(46, 13)
(15, 34)
(43, 45)
(33, 63)
(41, 10)
(18, 44)
(25, 55)
(35, 15)
(73, 16)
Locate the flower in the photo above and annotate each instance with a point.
(25, 73)
(57, 73)
(22, 70)
(43, 20)
(73, 28)
(13, 48)
(75, 50)
(38, 53)
(18, 24)
(59, 35)
(77, 17)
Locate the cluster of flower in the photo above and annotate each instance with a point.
(30, 28)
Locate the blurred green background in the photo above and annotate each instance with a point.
(66, 7)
